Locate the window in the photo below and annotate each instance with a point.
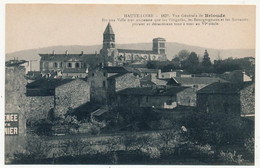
(147, 99)
(45, 65)
(104, 73)
(162, 51)
(55, 65)
(77, 65)
(162, 45)
(104, 83)
(61, 65)
(169, 102)
(93, 74)
(69, 65)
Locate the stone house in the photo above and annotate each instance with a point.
(233, 98)
(99, 83)
(119, 82)
(236, 76)
(155, 97)
(57, 94)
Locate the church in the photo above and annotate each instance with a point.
(118, 57)
(77, 65)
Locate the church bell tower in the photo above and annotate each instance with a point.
(108, 37)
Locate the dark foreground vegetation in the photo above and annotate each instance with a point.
(146, 136)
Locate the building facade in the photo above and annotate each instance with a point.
(57, 94)
(155, 97)
(228, 98)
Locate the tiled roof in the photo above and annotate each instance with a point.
(114, 69)
(148, 91)
(73, 70)
(136, 51)
(109, 29)
(198, 80)
(47, 83)
(116, 76)
(146, 70)
(64, 57)
(224, 88)
(146, 78)
(144, 82)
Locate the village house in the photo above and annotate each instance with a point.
(57, 94)
(119, 82)
(98, 79)
(72, 65)
(236, 76)
(156, 97)
(233, 98)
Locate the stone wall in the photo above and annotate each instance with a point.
(96, 78)
(126, 81)
(247, 98)
(39, 107)
(15, 100)
(218, 103)
(71, 95)
(187, 97)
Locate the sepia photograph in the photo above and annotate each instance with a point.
(129, 84)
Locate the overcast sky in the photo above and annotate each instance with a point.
(42, 25)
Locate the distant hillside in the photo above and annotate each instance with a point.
(172, 49)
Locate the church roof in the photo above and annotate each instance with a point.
(136, 51)
(159, 38)
(109, 29)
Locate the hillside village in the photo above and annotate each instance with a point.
(125, 90)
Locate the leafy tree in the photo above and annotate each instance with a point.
(221, 131)
(206, 60)
(191, 64)
(183, 55)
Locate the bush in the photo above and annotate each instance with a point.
(95, 130)
(151, 152)
(231, 158)
(35, 149)
(42, 127)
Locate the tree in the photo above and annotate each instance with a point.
(183, 55)
(221, 131)
(206, 63)
(191, 64)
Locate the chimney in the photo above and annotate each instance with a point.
(159, 74)
(53, 52)
(66, 52)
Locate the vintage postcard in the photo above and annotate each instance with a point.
(110, 84)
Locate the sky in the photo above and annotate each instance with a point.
(30, 26)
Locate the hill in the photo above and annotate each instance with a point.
(172, 48)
